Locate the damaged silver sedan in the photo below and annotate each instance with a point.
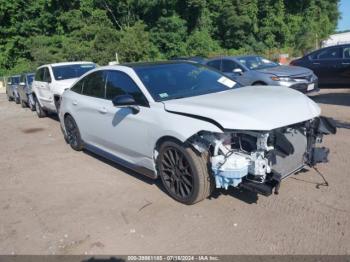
(193, 127)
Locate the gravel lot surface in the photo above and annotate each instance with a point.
(54, 200)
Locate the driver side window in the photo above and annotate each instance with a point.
(215, 64)
(119, 83)
(329, 53)
(228, 66)
(94, 84)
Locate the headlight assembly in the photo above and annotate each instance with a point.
(282, 79)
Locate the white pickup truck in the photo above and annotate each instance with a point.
(50, 82)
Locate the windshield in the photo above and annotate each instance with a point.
(30, 79)
(180, 80)
(71, 71)
(256, 62)
(15, 80)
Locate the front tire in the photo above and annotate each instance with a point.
(39, 110)
(73, 133)
(184, 173)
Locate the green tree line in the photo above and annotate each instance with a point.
(42, 31)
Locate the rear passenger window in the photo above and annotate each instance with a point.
(39, 75)
(94, 84)
(119, 83)
(78, 87)
(329, 53)
(228, 66)
(215, 64)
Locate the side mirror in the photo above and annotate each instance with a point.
(126, 101)
(238, 71)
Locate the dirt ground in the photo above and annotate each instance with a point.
(54, 200)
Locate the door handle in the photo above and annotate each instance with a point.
(103, 110)
(75, 102)
(316, 63)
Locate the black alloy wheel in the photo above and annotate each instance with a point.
(177, 173)
(73, 134)
(184, 173)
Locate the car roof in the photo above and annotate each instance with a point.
(67, 63)
(233, 57)
(149, 64)
(341, 45)
(327, 47)
(198, 59)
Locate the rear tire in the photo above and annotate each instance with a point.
(73, 133)
(39, 110)
(185, 174)
(17, 100)
(23, 104)
(9, 98)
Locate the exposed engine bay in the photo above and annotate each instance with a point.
(258, 161)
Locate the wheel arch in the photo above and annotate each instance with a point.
(259, 82)
(36, 99)
(62, 121)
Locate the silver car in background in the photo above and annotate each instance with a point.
(257, 70)
(12, 88)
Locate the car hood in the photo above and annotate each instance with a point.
(286, 71)
(249, 108)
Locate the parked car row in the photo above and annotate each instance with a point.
(190, 125)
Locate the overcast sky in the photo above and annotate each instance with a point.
(344, 22)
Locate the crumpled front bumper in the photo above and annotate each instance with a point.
(295, 148)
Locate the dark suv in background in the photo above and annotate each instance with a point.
(25, 91)
(330, 64)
